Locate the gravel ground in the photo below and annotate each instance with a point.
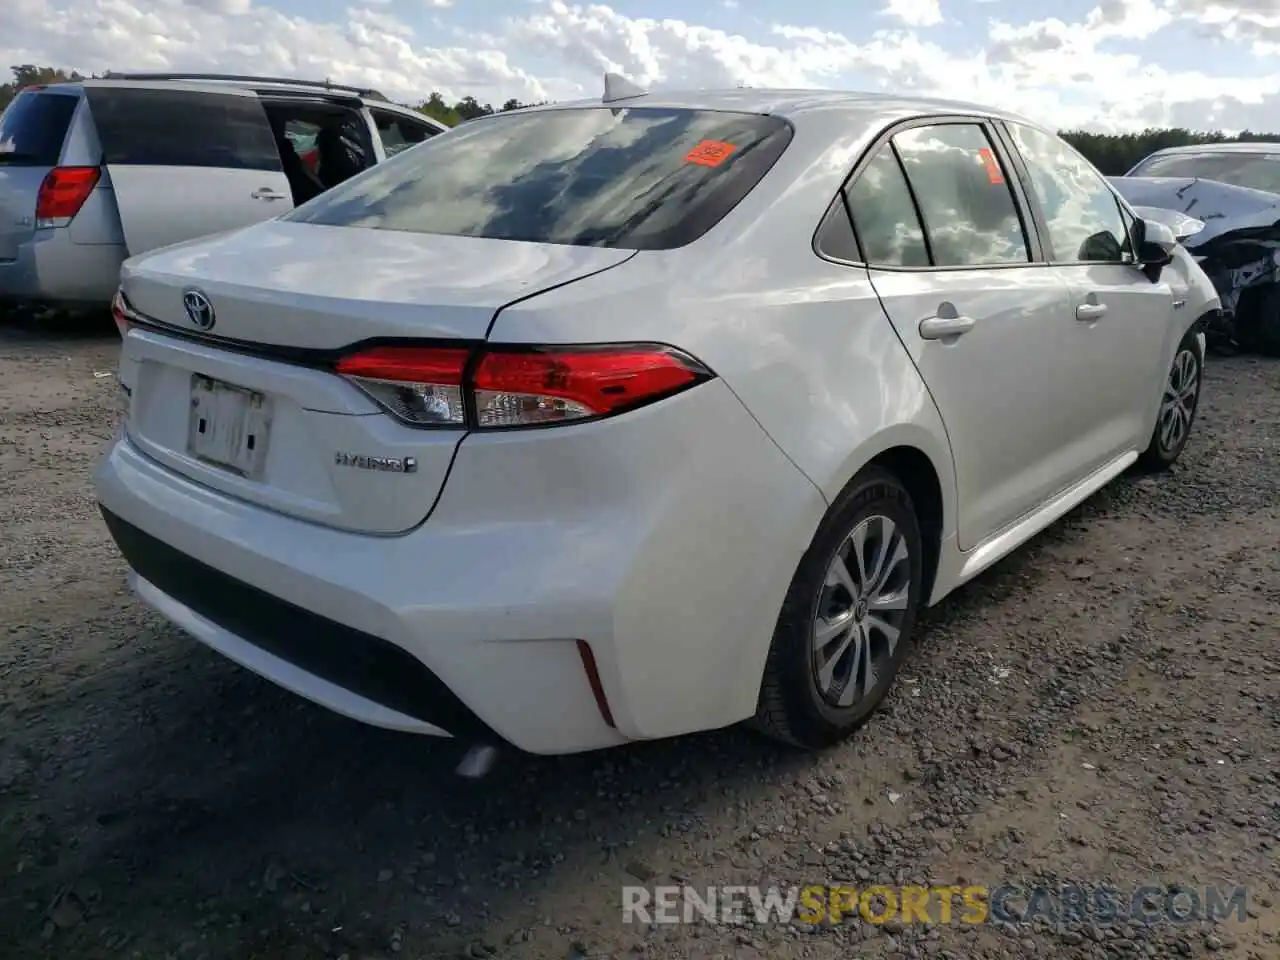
(1102, 707)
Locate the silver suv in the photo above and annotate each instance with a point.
(95, 171)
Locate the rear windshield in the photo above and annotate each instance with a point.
(639, 178)
(33, 127)
(1259, 171)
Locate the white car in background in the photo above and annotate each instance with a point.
(622, 419)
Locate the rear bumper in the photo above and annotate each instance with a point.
(50, 269)
(668, 551)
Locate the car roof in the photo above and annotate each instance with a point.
(794, 103)
(262, 85)
(1257, 146)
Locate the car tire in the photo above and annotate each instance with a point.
(816, 693)
(1257, 323)
(1179, 401)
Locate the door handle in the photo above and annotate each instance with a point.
(266, 193)
(1090, 311)
(940, 328)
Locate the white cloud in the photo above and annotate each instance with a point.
(1083, 72)
(915, 13)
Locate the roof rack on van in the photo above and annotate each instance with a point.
(237, 78)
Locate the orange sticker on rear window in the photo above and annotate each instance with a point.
(992, 164)
(710, 153)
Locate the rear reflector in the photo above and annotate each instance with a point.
(593, 678)
(62, 193)
(502, 387)
(123, 314)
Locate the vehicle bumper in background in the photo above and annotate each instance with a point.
(52, 270)
(665, 539)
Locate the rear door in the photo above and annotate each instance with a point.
(32, 130)
(186, 160)
(955, 263)
(1125, 330)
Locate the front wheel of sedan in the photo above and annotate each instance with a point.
(847, 621)
(1178, 404)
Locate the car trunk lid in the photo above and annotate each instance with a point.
(251, 405)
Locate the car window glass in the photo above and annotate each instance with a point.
(1080, 211)
(155, 128)
(399, 133)
(301, 134)
(33, 127)
(884, 215)
(1258, 171)
(638, 178)
(965, 202)
(835, 236)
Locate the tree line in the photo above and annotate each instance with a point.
(1112, 153)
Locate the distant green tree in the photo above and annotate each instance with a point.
(1116, 154)
(28, 75)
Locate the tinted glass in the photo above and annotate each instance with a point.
(1260, 171)
(884, 215)
(639, 178)
(1080, 211)
(399, 133)
(835, 236)
(968, 211)
(33, 127)
(179, 128)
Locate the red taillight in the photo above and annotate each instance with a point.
(63, 192)
(518, 386)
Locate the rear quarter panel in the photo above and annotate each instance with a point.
(801, 342)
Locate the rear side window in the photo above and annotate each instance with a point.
(968, 210)
(641, 178)
(884, 215)
(181, 128)
(33, 127)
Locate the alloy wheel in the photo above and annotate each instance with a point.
(1178, 404)
(860, 612)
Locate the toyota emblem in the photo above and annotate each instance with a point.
(199, 309)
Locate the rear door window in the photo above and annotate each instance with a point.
(33, 127)
(965, 202)
(640, 178)
(399, 133)
(165, 127)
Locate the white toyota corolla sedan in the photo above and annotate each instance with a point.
(616, 420)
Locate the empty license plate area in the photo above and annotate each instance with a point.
(229, 426)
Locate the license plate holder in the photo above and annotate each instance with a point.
(229, 426)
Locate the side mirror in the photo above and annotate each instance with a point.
(1154, 243)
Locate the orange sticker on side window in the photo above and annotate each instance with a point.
(710, 153)
(992, 164)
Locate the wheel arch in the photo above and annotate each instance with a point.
(915, 471)
(921, 461)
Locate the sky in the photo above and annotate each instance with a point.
(1107, 65)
